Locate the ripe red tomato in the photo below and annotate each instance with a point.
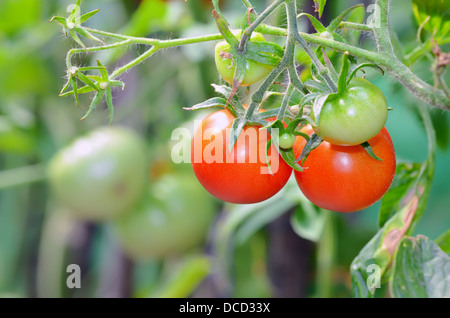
(346, 178)
(240, 176)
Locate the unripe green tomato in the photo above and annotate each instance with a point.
(101, 174)
(174, 215)
(353, 117)
(286, 141)
(254, 71)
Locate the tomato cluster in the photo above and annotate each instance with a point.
(338, 175)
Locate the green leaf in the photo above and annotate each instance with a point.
(88, 15)
(440, 124)
(265, 47)
(312, 144)
(88, 35)
(308, 221)
(342, 82)
(316, 23)
(236, 129)
(222, 26)
(444, 241)
(186, 279)
(360, 66)
(94, 103)
(212, 102)
(335, 23)
(320, 5)
(421, 270)
(110, 105)
(402, 186)
(438, 14)
(82, 90)
(381, 248)
(87, 80)
(369, 150)
(263, 58)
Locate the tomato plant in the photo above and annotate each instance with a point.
(346, 178)
(173, 216)
(101, 174)
(239, 176)
(354, 116)
(254, 71)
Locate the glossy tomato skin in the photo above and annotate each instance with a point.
(354, 116)
(346, 178)
(254, 71)
(174, 215)
(240, 176)
(101, 174)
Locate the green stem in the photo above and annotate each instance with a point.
(20, 176)
(391, 64)
(355, 26)
(320, 67)
(326, 250)
(247, 3)
(285, 101)
(382, 31)
(248, 31)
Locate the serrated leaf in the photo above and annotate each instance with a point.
(421, 270)
(444, 241)
(212, 102)
(316, 23)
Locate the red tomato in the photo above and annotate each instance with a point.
(346, 178)
(240, 176)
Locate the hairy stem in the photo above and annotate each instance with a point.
(248, 31)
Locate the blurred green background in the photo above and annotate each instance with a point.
(266, 258)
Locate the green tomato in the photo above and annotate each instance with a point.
(173, 216)
(287, 141)
(101, 174)
(353, 117)
(254, 71)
